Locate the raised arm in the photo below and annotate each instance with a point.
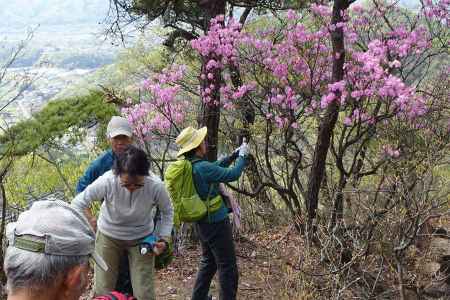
(227, 160)
(214, 173)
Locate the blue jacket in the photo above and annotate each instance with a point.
(206, 173)
(97, 168)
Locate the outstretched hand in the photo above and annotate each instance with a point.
(235, 153)
(159, 248)
(244, 149)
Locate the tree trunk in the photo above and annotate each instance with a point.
(210, 112)
(2, 231)
(328, 122)
(247, 116)
(338, 204)
(4, 203)
(211, 119)
(210, 115)
(401, 288)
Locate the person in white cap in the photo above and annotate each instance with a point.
(48, 253)
(120, 135)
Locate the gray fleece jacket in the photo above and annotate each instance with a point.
(124, 215)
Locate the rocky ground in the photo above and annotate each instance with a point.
(263, 261)
(269, 269)
(263, 268)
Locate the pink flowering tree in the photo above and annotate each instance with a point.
(363, 75)
(159, 112)
(288, 79)
(341, 96)
(286, 75)
(296, 73)
(186, 21)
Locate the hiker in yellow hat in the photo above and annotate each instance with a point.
(189, 139)
(214, 230)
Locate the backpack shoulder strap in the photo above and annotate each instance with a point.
(195, 160)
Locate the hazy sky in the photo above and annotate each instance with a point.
(20, 13)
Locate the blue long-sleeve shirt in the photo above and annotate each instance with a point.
(207, 173)
(97, 168)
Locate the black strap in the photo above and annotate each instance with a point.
(195, 160)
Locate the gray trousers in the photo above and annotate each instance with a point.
(142, 267)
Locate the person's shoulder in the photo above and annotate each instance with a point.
(107, 179)
(205, 164)
(153, 181)
(106, 158)
(153, 178)
(202, 163)
(105, 155)
(108, 176)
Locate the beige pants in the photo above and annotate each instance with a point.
(141, 267)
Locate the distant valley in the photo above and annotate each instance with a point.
(67, 45)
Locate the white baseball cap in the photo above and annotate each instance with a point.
(118, 126)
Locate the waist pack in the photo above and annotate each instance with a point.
(114, 296)
(188, 205)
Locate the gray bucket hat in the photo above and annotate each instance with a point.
(54, 228)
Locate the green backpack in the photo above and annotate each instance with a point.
(188, 205)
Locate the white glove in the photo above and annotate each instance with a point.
(236, 151)
(243, 149)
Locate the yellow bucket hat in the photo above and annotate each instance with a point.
(190, 138)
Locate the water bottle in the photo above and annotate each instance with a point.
(148, 244)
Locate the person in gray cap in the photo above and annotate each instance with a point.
(49, 248)
(120, 136)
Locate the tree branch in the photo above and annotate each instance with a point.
(176, 34)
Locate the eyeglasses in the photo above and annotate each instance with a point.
(131, 185)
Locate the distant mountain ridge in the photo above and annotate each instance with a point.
(26, 13)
